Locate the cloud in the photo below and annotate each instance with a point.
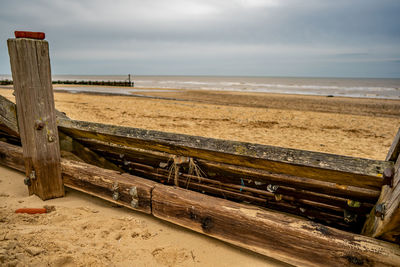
(178, 34)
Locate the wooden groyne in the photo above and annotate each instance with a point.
(84, 82)
(301, 207)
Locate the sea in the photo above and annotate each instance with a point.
(349, 87)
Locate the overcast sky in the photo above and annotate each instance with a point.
(342, 38)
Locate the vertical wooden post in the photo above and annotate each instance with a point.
(30, 66)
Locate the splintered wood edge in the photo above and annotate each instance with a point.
(394, 149)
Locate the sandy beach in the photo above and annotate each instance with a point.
(85, 231)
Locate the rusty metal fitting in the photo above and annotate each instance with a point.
(27, 181)
(51, 138)
(39, 125)
(135, 203)
(380, 210)
(388, 175)
(135, 198)
(133, 192)
(115, 195)
(272, 188)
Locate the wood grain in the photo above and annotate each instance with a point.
(320, 166)
(394, 149)
(387, 228)
(292, 240)
(8, 116)
(30, 66)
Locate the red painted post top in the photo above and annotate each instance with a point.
(30, 35)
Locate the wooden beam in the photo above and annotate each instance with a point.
(85, 154)
(273, 234)
(292, 240)
(320, 166)
(231, 172)
(30, 66)
(386, 223)
(394, 149)
(8, 116)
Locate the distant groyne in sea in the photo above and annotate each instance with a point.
(83, 82)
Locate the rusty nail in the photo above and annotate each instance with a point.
(380, 210)
(27, 181)
(388, 175)
(39, 125)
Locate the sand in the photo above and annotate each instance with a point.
(85, 231)
(348, 126)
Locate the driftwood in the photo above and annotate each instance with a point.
(273, 234)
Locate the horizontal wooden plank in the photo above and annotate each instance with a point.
(231, 173)
(320, 166)
(292, 240)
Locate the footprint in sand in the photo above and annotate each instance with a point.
(170, 256)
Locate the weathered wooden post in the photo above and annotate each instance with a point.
(30, 66)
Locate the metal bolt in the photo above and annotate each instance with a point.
(51, 138)
(380, 210)
(133, 192)
(115, 195)
(39, 125)
(272, 188)
(115, 186)
(388, 175)
(27, 181)
(32, 175)
(135, 203)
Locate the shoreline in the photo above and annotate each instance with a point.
(131, 91)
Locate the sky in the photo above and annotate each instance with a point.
(317, 38)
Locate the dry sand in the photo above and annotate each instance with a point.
(85, 231)
(347, 126)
